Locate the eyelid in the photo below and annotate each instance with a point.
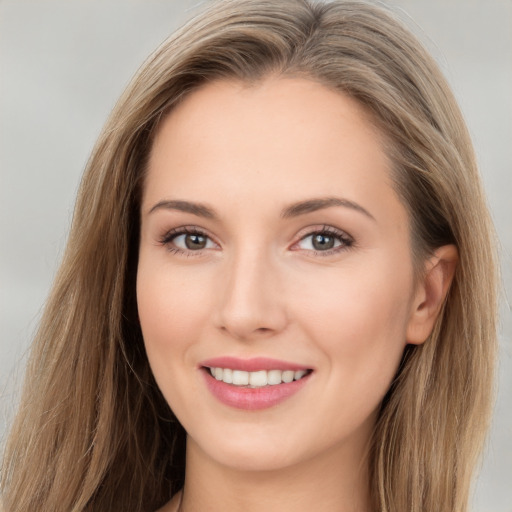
(347, 241)
(170, 234)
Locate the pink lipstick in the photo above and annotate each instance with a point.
(253, 384)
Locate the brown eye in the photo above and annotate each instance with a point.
(195, 241)
(323, 242)
(188, 241)
(328, 240)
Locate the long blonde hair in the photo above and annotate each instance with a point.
(93, 431)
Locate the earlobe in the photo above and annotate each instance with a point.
(431, 293)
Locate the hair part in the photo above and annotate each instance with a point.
(91, 414)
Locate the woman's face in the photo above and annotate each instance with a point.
(273, 247)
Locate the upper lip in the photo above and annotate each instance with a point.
(252, 365)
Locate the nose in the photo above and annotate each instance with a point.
(251, 304)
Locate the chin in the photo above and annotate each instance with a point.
(246, 454)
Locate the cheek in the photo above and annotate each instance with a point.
(359, 324)
(169, 303)
(172, 314)
(359, 319)
(171, 317)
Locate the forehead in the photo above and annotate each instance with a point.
(296, 108)
(285, 138)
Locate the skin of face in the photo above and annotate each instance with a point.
(259, 287)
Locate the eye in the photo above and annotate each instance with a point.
(326, 240)
(187, 239)
(191, 241)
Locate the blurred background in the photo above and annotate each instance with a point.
(64, 63)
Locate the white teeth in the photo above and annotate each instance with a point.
(274, 377)
(240, 378)
(256, 379)
(288, 375)
(228, 376)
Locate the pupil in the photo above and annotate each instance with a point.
(195, 241)
(323, 242)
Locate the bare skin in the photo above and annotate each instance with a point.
(255, 265)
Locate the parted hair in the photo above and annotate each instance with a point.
(93, 432)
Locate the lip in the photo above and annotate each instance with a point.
(252, 399)
(253, 364)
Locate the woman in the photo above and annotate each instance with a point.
(345, 282)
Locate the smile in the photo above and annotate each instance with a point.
(256, 379)
(253, 384)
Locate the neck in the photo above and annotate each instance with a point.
(336, 481)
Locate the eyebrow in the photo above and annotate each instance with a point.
(313, 205)
(198, 209)
(294, 210)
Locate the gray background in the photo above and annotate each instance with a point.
(64, 63)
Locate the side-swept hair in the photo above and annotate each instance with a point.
(93, 432)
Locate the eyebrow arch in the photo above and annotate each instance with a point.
(313, 205)
(294, 210)
(198, 209)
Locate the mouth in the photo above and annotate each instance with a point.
(256, 379)
(253, 384)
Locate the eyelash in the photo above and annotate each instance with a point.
(346, 241)
(167, 239)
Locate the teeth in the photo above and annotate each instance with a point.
(288, 376)
(299, 374)
(257, 379)
(240, 378)
(227, 376)
(274, 377)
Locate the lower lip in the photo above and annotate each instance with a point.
(252, 399)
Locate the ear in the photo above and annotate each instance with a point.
(431, 292)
